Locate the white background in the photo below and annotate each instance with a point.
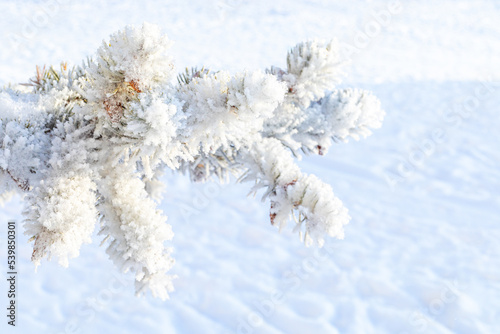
(421, 254)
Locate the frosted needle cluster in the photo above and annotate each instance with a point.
(86, 145)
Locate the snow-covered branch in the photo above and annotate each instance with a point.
(87, 145)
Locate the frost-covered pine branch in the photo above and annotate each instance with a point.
(88, 145)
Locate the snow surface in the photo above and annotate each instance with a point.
(421, 254)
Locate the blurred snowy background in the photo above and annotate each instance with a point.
(422, 252)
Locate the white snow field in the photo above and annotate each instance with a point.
(422, 251)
